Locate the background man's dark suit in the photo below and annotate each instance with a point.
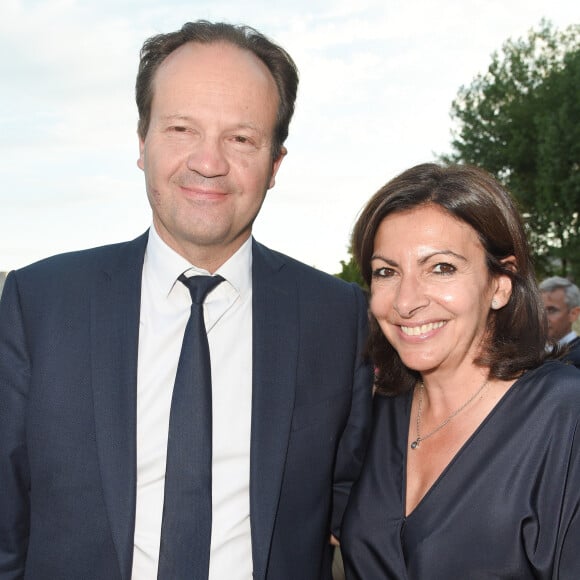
(68, 372)
(573, 352)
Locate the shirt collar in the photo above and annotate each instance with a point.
(568, 338)
(166, 265)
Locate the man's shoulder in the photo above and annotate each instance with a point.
(79, 261)
(304, 274)
(573, 354)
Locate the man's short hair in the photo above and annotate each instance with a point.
(571, 291)
(280, 64)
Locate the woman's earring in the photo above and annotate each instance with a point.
(494, 304)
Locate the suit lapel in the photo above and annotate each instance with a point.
(115, 309)
(275, 353)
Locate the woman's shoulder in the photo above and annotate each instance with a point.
(389, 407)
(388, 401)
(555, 372)
(553, 384)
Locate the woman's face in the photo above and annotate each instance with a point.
(431, 291)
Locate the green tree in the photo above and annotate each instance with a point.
(350, 271)
(521, 121)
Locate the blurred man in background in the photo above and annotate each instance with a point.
(562, 303)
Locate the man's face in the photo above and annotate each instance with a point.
(207, 155)
(560, 317)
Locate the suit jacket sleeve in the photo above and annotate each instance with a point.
(14, 474)
(354, 439)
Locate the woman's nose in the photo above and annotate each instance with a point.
(410, 296)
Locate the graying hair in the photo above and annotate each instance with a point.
(571, 291)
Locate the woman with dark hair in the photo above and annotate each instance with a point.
(473, 469)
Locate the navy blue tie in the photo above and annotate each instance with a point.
(186, 526)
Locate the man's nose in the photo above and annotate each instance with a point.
(208, 158)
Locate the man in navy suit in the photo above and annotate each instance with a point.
(90, 342)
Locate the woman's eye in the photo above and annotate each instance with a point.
(383, 272)
(444, 268)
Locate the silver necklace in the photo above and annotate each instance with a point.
(419, 438)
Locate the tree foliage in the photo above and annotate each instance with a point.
(521, 121)
(350, 271)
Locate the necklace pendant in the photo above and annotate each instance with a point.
(415, 444)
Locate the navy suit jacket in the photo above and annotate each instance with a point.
(572, 352)
(68, 377)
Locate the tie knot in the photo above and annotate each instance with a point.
(200, 286)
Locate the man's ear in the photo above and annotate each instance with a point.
(276, 165)
(141, 159)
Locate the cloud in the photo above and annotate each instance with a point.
(377, 81)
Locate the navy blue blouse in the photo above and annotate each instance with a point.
(507, 505)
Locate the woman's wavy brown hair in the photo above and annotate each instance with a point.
(517, 332)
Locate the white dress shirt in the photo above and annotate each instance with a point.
(165, 308)
(568, 338)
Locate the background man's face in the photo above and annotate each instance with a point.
(560, 317)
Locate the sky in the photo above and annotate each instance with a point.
(377, 79)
